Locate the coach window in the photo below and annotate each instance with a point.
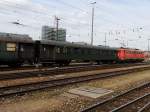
(85, 51)
(11, 47)
(22, 49)
(95, 52)
(44, 49)
(82, 51)
(103, 52)
(76, 50)
(114, 53)
(58, 50)
(100, 52)
(70, 50)
(89, 51)
(64, 50)
(109, 52)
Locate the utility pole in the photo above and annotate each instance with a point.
(148, 44)
(92, 30)
(127, 43)
(105, 39)
(57, 26)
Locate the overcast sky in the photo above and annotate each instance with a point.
(123, 21)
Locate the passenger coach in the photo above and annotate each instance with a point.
(14, 51)
(64, 52)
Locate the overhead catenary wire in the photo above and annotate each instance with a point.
(18, 7)
(20, 10)
(40, 13)
(72, 6)
(64, 20)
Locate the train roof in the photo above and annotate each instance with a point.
(72, 44)
(21, 38)
(131, 49)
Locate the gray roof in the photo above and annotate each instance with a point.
(72, 44)
(15, 38)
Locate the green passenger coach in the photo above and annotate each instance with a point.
(16, 50)
(64, 52)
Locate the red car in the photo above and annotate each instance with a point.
(130, 55)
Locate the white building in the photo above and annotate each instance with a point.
(50, 33)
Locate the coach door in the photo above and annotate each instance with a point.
(47, 52)
(26, 51)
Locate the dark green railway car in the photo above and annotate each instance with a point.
(16, 50)
(65, 52)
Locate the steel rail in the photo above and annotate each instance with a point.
(57, 71)
(4, 91)
(20, 89)
(129, 103)
(96, 105)
(144, 109)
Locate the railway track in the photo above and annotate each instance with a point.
(146, 108)
(134, 100)
(57, 71)
(6, 68)
(25, 88)
(30, 67)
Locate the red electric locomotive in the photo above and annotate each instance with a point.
(130, 55)
(147, 56)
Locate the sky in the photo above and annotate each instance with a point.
(122, 22)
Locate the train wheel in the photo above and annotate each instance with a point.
(31, 62)
(60, 64)
(98, 62)
(15, 65)
(66, 63)
(47, 64)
